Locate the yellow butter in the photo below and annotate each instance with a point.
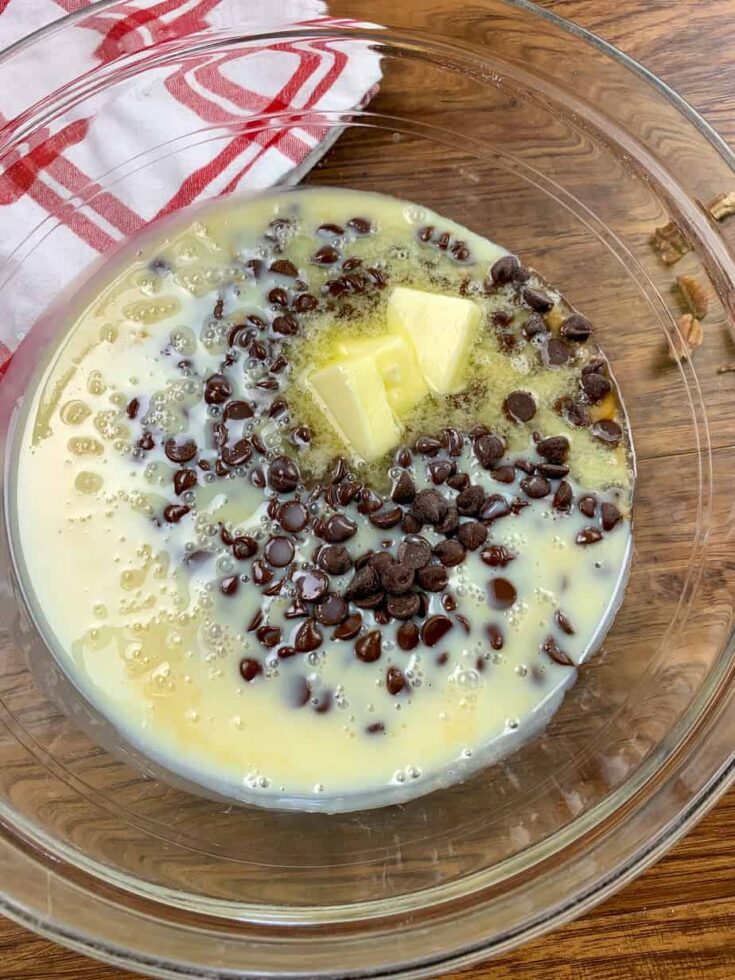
(396, 361)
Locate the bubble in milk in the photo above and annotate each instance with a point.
(74, 412)
(87, 483)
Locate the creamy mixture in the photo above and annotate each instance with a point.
(323, 498)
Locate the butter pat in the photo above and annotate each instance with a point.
(396, 361)
(442, 330)
(353, 397)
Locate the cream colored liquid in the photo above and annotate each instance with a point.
(150, 638)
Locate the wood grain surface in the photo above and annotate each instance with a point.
(677, 921)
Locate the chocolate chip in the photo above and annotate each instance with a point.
(595, 387)
(536, 299)
(296, 610)
(534, 327)
(460, 481)
(449, 523)
(369, 647)
(365, 582)
(278, 407)
(338, 528)
(283, 475)
(258, 351)
(552, 471)
(450, 553)
(472, 534)
(220, 467)
(449, 602)
(563, 623)
(351, 263)
(305, 303)
(217, 389)
(404, 488)
(576, 328)
(262, 575)
(394, 680)
(184, 480)
(427, 445)
(335, 559)
(496, 556)
(293, 516)
(588, 535)
(278, 296)
(331, 611)
(494, 507)
(238, 454)
(408, 636)
(403, 606)
(361, 225)
(563, 496)
(425, 233)
(502, 593)
(349, 629)
(250, 668)
(488, 449)
(308, 637)
(378, 277)
(326, 255)
(132, 408)
(519, 406)
(452, 440)
(552, 649)
(312, 585)
(555, 449)
(535, 487)
(429, 506)
(403, 457)
(411, 524)
(555, 352)
(346, 492)
(502, 318)
(285, 652)
(286, 325)
(504, 270)
(257, 477)
(386, 518)
(440, 470)
(433, 578)
(180, 452)
(572, 412)
(174, 512)
(470, 500)
(237, 411)
(269, 636)
(244, 547)
(300, 693)
(335, 287)
(587, 505)
(375, 728)
(396, 577)
(608, 432)
(610, 515)
(283, 267)
(279, 551)
(504, 474)
(414, 552)
(435, 629)
(369, 501)
(495, 636)
(229, 584)
(328, 229)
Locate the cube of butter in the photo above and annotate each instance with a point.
(396, 361)
(353, 397)
(442, 330)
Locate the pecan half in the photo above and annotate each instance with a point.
(669, 242)
(722, 205)
(690, 337)
(695, 295)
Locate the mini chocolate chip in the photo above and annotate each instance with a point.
(453, 441)
(403, 457)
(375, 728)
(504, 270)
(535, 487)
(534, 327)
(278, 296)
(351, 263)
(495, 636)
(335, 287)
(587, 505)
(221, 468)
(180, 452)
(394, 680)
(595, 387)
(608, 432)
(460, 481)
(174, 512)
(552, 649)
(257, 477)
(346, 492)
(493, 507)
(283, 475)
(403, 606)
(293, 516)
(414, 552)
(404, 489)
(349, 629)
(519, 406)
(378, 277)
(308, 637)
(296, 610)
(326, 255)
(229, 584)
(470, 500)
(279, 551)
(434, 629)
(305, 303)
(238, 410)
(502, 593)
(449, 523)
(329, 229)
(407, 636)
(588, 535)
(496, 556)
(440, 470)
(563, 496)
(361, 225)
(339, 470)
(429, 506)
(563, 623)
(369, 647)
(489, 450)
(331, 611)
(425, 233)
(386, 518)
(217, 389)
(427, 445)
(238, 454)
(555, 449)
(396, 577)
(555, 352)
(302, 435)
(220, 434)
(433, 578)
(610, 515)
(450, 553)
(250, 668)
(576, 328)
(536, 299)
(258, 351)
(552, 471)
(244, 547)
(285, 652)
(369, 501)
(504, 474)
(572, 412)
(269, 636)
(312, 585)
(286, 325)
(184, 480)
(335, 559)
(449, 602)
(132, 408)
(278, 407)
(472, 534)
(283, 267)
(262, 575)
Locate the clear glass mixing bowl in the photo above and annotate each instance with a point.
(547, 140)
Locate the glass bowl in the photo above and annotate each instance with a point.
(540, 136)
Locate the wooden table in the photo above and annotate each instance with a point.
(677, 921)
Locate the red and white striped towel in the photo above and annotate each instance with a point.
(213, 95)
